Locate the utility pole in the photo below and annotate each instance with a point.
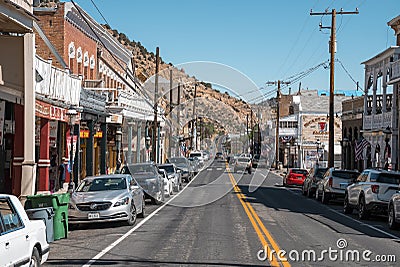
(252, 132)
(247, 130)
(278, 102)
(194, 119)
(332, 50)
(170, 114)
(155, 124)
(178, 115)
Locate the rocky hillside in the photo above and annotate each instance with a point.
(145, 68)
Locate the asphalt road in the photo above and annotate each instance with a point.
(214, 222)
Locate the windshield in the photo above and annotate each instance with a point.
(243, 160)
(345, 174)
(102, 184)
(320, 172)
(141, 168)
(195, 154)
(178, 160)
(386, 178)
(299, 171)
(168, 169)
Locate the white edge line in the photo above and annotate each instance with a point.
(119, 240)
(354, 220)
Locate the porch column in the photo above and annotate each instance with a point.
(138, 140)
(366, 94)
(44, 158)
(374, 88)
(384, 86)
(28, 165)
(18, 149)
(395, 129)
(77, 156)
(103, 149)
(129, 136)
(89, 149)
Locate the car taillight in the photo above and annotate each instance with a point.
(330, 181)
(375, 188)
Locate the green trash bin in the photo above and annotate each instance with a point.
(59, 203)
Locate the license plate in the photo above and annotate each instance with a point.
(93, 216)
(343, 185)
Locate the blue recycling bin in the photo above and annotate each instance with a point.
(45, 214)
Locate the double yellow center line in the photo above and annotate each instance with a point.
(263, 234)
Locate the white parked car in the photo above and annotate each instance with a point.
(173, 174)
(168, 185)
(394, 211)
(22, 241)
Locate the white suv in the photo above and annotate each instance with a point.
(371, 192)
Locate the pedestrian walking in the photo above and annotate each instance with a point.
(53, 173)
(61, 175)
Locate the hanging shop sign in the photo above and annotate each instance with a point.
(84, 134)
(48, 111)
(98, 134)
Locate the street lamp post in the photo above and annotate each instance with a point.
(72, 114)
(345, 143)
(318, 144)
(288, 156)
(387, 132)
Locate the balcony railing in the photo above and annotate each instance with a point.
(377, 121)
(25, 4)
(56, 84)
(379, 103)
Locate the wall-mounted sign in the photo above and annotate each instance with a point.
(98, 134)
(84, 134)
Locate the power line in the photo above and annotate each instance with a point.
(348, 73)
(293, 79)
(98, 10)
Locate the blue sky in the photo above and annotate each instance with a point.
(265, 40)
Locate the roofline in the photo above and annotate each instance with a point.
(386, 51)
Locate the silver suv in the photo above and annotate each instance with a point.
(334, 184)
(371, 192)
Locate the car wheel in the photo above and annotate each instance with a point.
(362, 209)
(317, 197)
(157, 199)
(324, 198)
(392, 218)
(132, 216)
(35, 258)
(303, 190)
(143, 213)
(347, 209)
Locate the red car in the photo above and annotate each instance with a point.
(295, 176)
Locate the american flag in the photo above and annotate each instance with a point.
(360, 145)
